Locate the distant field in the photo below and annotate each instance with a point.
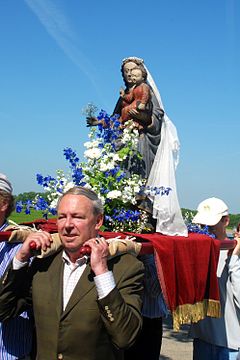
(21, 217)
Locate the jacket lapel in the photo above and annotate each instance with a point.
(57, 282)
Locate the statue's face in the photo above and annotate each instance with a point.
(127, 71)
(136, 76)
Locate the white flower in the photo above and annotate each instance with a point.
(102, 199)
(116, 157)
(136, 189)
(114, 194)
(88, 144)
(94, 153)
(87, 186)
(103, 167)
(91, 144)
(68, 186)
(126, 138)
(53, 203)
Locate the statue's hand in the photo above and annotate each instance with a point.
(141, 106)
(92, 121)
(134, 113)
(122, 92)
(141, 116)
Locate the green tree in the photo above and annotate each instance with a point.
(30, 196)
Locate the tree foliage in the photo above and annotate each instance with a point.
(234, 218)
(30, 196)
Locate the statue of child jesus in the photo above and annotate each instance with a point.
(136, 98)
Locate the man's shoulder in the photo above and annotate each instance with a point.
(45, 262)
(125, 261)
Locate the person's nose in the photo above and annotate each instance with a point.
(68, 223)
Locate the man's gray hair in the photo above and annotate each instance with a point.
(88, 193)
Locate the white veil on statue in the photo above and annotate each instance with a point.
(166, 209)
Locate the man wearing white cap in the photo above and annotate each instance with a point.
(15, 334)
(219, 339)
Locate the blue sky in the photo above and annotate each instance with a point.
(59, 55)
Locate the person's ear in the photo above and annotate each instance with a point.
(99, 222)
(226, 220)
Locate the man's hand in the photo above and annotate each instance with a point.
(99, 254)
(42, 240)
(236, 250)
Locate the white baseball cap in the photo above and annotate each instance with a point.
(210, 212)
(5, 184)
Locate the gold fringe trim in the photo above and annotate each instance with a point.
(192, 313)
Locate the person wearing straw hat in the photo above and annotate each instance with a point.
(16, 334)
(219, 338)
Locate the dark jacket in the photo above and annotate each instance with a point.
(88, 328)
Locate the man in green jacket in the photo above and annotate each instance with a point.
(82, 310)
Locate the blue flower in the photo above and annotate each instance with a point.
(71, 156)
(19, 206)
(45, 181)
(41, 204)
(167, 190)
(122, 215)
(121, 176)
(77, 176)
(103, 190)
(28, 205)
(116, 145)
(195, 228)
(39, 179)
(53, 211)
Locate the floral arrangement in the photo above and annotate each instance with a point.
(196, 228)
(105, 171)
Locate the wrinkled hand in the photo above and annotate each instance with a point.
(99, 255)
(43, 241)
(236, 250)
(236, 234)
(92, 121)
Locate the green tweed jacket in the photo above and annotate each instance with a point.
(88, 329)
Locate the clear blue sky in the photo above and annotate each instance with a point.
(59, 55)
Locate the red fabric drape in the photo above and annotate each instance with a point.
(186, 267)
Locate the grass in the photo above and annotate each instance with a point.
(22, 217)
